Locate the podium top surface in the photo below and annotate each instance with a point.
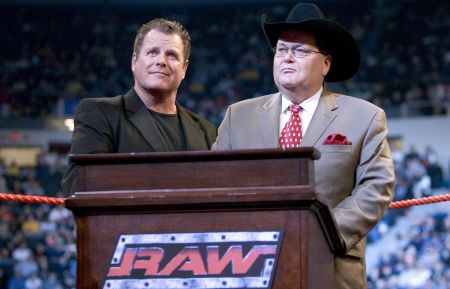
(192, 156)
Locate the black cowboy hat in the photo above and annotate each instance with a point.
(332, 37)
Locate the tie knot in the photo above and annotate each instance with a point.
(295, 108)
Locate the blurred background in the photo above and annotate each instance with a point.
(54, 53)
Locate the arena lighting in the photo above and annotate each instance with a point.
(68, 122)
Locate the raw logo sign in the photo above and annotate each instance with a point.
(194, 260)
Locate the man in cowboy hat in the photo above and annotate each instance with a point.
(355, 174)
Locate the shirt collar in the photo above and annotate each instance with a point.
(308, 104)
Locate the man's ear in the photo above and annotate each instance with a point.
(186, 64)
(326, 64)
(133, 61)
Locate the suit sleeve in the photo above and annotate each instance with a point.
(357, 214)
(92, 134)
(223, 140)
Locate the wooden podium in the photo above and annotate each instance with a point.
(125, 200)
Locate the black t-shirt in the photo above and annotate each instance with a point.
(171, 130)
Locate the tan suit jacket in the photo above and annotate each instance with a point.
(356, 181)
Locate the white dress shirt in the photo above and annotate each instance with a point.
(308, 108)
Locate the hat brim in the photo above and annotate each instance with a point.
(334, 38)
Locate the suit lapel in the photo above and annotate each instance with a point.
(193, 133)
(269, 120)
(323, 116)
(146, 125)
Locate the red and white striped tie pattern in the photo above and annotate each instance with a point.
(291, 136)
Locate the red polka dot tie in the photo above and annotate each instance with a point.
(291, 136)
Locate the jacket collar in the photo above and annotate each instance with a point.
(193, 132)
(325, 113)
(268, 120)
(141, 118)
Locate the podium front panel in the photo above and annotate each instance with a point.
(304, 259)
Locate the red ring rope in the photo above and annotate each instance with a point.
(31, 199)
(419, 201)
(60, 201)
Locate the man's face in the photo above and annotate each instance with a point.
(160, 64)
(299, 74)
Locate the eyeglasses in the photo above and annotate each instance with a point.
(282, 51)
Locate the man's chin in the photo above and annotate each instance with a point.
(288, 84)
(156, 85)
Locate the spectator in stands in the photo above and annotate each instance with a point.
(27, 267)
(17, 281)
(147, 118)
(22, 252)
(3, 279)
(3, 186)
(13, 170)
(434, 169)
(355, 176)
(6, 218)
(51, 281)
(58, 214)
(33, 282)
(30, 226)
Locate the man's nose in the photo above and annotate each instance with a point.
(161, 59)
(289, 57)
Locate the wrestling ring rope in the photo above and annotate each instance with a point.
(60, 201)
